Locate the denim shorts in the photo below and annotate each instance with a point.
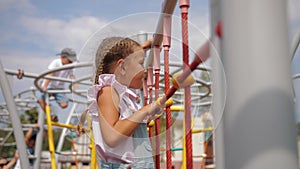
(138, 165)
(59, 97)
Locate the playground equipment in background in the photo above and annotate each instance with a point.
(153, 66)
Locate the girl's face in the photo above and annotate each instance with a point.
(133, 66)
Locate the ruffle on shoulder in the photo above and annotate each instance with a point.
(104, 80)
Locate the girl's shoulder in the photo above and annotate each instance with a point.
(108, 90)
(106, 82)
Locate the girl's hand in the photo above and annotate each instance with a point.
(152, 111)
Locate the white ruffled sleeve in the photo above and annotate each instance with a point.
(92, 93)
(92, 99)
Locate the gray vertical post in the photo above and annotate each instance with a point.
(259, 125)
(39, 139)
(16, 123)
(218, 86)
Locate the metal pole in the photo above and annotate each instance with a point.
(259, 125)
(184, 6)
(156, 56)
(16, 124)
(50, 132)
(167, 25)
(218, 86)
(168, 8)
(64, 131)
(39, 140)
(142, 37)
(295, 43)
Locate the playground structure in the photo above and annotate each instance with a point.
(236, 128)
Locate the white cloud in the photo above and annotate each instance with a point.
(59, 33)
(17, 59)
(24, 5)
(26, 61)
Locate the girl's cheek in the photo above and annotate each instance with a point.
(138, 69)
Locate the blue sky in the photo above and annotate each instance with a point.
(32, 32)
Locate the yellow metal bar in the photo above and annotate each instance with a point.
(50, 137)
(183, 165)
(92, 145)
(202, 130)
(70, 126)
(176, 108)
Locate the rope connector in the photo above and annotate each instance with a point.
(20, 74)
(178, 83)
(167, 103)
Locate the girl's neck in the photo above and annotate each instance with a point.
(121, 79)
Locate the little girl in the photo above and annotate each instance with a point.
(118, 121)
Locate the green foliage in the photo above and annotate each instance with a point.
(7, 151)
(32, 115)
(28, 117)
(298, 128)
(56, 135)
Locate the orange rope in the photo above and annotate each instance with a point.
(204, 158)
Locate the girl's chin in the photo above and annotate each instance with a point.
(136, 84)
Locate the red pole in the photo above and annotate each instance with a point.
(184, 5)
(201, 56)
(157, 121)
(145, 91)
(150, 83)
(166, 45)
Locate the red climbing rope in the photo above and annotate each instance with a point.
(166, 45)
(157, 120)
(150, 83)
(184, 5)
(201, 56)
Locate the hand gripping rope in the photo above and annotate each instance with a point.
(185, 79)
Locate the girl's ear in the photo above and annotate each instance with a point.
(120, 65)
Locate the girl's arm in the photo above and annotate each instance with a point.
(114, 130)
